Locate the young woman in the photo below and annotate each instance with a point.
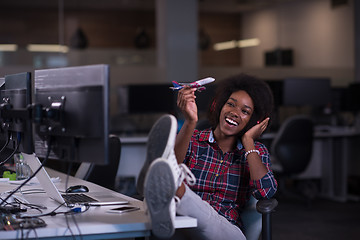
(228, 163)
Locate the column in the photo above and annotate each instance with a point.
(177, 40)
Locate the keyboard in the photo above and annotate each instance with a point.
(74, 198)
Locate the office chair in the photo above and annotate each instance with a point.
(257, 218)
(291, 149)
(103, 175)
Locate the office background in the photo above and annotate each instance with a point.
(149, 43)
(155, 42)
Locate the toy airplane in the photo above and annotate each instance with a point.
(199, 84)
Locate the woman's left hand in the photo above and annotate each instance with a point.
(257, 130)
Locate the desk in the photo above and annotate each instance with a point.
(95, 223)
(330, 161)
(336, 149)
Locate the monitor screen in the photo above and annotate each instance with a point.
(276, 87)
(15, 122)
(315, 92)
(151, 98)
(72, 109)
(352, 97)
(204, 98)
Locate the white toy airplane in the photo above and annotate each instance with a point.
(199, 84)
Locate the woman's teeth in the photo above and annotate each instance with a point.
(230, 121)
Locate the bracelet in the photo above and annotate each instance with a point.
(252, 151)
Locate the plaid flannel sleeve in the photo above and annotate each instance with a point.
(266, 186)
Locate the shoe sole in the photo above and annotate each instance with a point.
(160, 143)
(159, 193)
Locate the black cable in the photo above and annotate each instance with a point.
(29, 205)
(15, 150)
(76, 225)
(68, 226)
(29, 231)
(52, 213)
(33, 175)
(72, 158)
(6, 143)
(3, 201)
(22, 233)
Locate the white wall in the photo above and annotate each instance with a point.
(321, 37)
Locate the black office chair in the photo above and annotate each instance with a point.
(291, 151)
(103, 175)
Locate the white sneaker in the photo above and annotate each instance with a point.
(162, 180)
(159, 191)
(161, 142)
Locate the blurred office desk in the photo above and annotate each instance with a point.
(332, 154)
(337, 154)
(95, 223)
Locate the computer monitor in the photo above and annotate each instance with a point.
(15, 121)
(352, 98)
(204, 98)
(276, 86)
(313, 92)
(71, 107)
(3, 135)
(151, 98)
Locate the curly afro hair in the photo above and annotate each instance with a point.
(258, 90)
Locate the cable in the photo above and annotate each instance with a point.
(72, 158)
(15, 150)
(29, 205)
(52, 213)
(33, 175)
(6, 143)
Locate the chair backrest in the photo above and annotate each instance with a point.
(252, 220)
(103, 175)
(292, 146)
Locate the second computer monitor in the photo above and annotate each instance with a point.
(314, 92)
(71, 112)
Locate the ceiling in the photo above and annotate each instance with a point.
(204, 5)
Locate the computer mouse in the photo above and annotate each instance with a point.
(77, 189)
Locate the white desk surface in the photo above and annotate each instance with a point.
(95, 223)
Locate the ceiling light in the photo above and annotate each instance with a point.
(236, 44)
(225, 45)
(8, 47)
(248, 42)
(47, 48)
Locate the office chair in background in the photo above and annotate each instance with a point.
(103, 175)
(291, 152)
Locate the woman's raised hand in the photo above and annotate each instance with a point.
(257, 130)
(186, 101)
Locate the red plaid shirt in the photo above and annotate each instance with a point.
(223, 179)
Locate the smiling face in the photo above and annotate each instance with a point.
(235, 114)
